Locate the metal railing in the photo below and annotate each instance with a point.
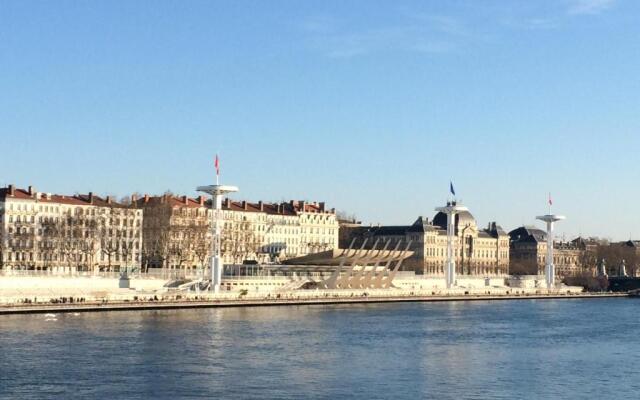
(255, 277)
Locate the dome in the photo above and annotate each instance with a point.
(463, 218)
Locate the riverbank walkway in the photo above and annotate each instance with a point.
(196, 302)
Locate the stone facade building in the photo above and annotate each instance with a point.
(177, 230)
(44, 231)
(483, 252)
(528, 250)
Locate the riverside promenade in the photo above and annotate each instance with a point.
(182, 302)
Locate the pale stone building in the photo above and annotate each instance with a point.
(44, 231)
(318, 227)
(478, 251)
(528, 248)
(177, 231)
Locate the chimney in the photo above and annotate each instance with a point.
(333, 211)
(146, 198)
(244, 204)
(32, 190)
(134, 199)
(12, 190)
(201, 200)
(109, 200)
(227, 203)
(185, 199)
(293, 204)
(303, 205)
(91, 197)
(261, 205)
(322, 206)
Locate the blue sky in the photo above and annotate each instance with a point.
(370, 106)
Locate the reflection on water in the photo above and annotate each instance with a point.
(503, 350)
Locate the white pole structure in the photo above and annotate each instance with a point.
(216, 192)
(550, 269)
(451, 209)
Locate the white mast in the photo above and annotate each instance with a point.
(550, 269)
(216, 191)
(451, 209)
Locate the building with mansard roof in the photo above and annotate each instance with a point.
(528, 253)
(479, 251)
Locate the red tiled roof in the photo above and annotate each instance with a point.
(79, 199)
(173, 201)
(285, 208)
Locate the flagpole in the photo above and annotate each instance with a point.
(217, 170)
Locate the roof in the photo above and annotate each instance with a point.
(284, 208)
(423, 225)
(78, 199)
(353, 256)
(590, 242)
(391, 230)
(461, 219)
(494, 230)
(527, 234)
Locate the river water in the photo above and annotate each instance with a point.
(525, 349)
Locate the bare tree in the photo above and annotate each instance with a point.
(342, 215)
(201, 244)
(614, 253)
(71, 243)
(22, 244)
(587, 261)
(51, 242)
(156, 249)
(156, 245)
(523, 267)
(239, 241)
(109, 244)
(89, 244)
(127, 249)
(189, 243)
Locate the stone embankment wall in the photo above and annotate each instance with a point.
(50, 287)
(419, 282)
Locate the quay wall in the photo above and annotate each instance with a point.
(106, 290)
(419, 282)
(201, 302)
(56, 286)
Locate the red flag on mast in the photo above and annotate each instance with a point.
(217, 164)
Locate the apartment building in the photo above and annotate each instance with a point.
(52, 232)
(177, 230)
